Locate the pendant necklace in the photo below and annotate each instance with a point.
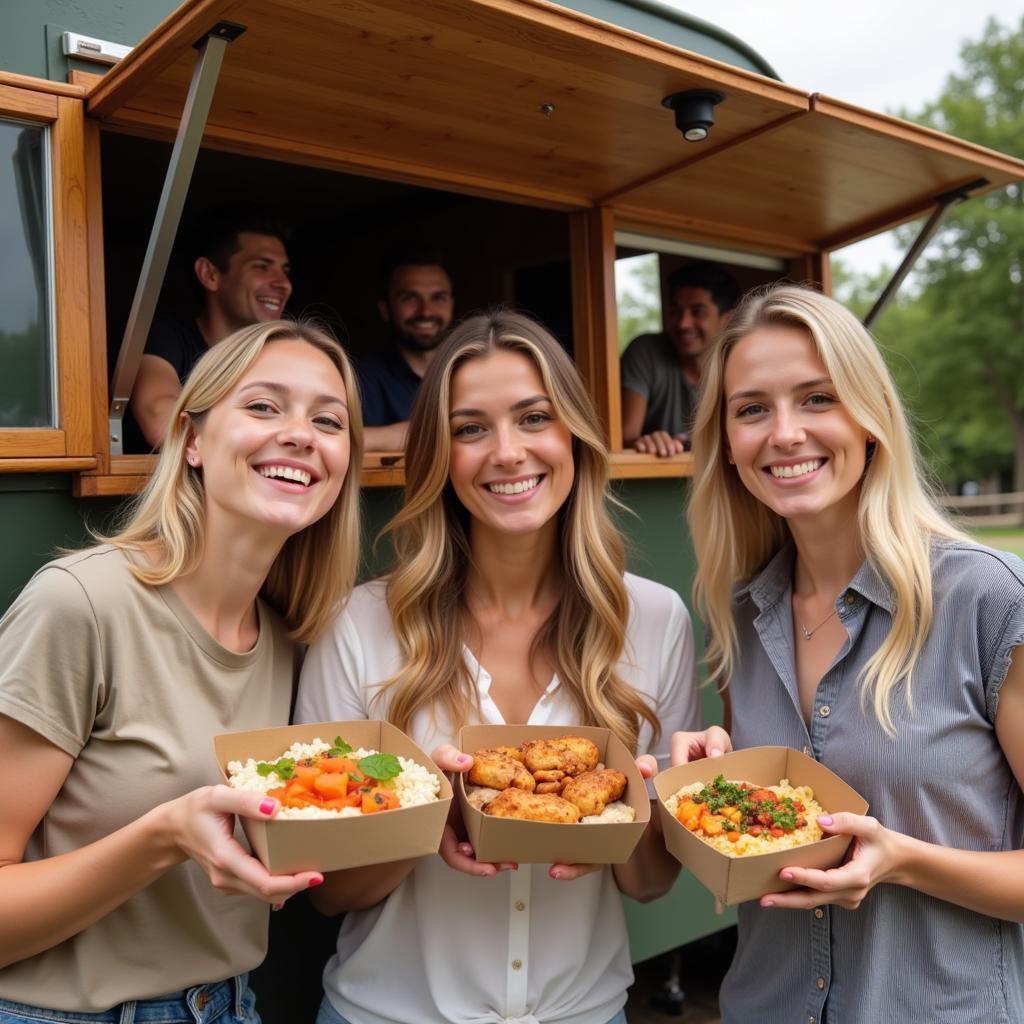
(808, 633)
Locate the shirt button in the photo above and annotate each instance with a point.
(824, 711)
(808, 752)
(820, 983)
(850, 599)
(517, 965)
(810, 1020)
(819, 913)
(520, 905)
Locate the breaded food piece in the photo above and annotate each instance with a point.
(514, 752)
(552, 775)
(513, 803)
(592, 790)
(497, 770)
(477, 796)
(549, 787)
(570, 754)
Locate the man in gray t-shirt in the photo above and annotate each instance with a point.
(660, 372)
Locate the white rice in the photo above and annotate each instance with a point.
(414, 785)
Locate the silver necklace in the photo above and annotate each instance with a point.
(808, 633)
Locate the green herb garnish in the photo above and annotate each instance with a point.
(284, 769)
(380, 766)
(339, 748)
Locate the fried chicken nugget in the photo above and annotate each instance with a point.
(570, 754)
(592, 790)
(513, 803)
(497, 770)
(549, 787)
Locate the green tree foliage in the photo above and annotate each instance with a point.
(956, 337)
(639, 298)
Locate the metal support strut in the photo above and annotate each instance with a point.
(942, 204)
(165, 225)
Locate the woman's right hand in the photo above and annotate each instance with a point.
(455, 852)
(692, 746)
(201, 826)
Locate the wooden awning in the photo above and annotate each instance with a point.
(529, 101)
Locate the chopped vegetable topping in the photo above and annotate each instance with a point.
(738, 807)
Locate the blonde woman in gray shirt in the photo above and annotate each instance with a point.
(849, 619)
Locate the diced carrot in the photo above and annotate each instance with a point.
(733, 837)
(331, 785)
(776, 831)
(760, 795)
(692, 823)
(689, 809)
(278, 793)
(333, 765)
(711, 824)
(305, 774)
(379, 799)
(297, 796)
(336, 804)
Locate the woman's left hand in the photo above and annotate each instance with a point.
(648, 768)
(873, 858)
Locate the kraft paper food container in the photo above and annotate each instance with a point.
(545, 842)
(737, 879)
(331, 844)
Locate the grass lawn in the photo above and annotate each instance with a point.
(1005, 538)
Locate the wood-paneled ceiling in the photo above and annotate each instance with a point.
(451, 93)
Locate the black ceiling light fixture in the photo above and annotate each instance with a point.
(695, 111)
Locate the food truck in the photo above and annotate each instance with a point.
(538, 145)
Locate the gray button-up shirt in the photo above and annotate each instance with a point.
(901, 956)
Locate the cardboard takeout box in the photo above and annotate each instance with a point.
(736, 879)
(330, 844)
(545, 842)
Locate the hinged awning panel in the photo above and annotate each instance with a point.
(450, 93)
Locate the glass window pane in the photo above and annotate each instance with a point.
(26, 350)
(638, 296)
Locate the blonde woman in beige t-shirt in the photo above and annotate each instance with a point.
(125, 894)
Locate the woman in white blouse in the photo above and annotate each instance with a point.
(507, 603)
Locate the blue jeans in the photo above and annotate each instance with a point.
(329, 1015)
(223, 1002)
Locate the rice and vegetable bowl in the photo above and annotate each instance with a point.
(741, 819)
(332, 780)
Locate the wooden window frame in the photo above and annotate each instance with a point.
(73, 443)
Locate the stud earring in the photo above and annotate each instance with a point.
(192, 460)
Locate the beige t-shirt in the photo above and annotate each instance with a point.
(124, 678)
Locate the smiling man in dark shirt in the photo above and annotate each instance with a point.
(242, 270)
(417, 306)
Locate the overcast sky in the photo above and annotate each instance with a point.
(880, 54)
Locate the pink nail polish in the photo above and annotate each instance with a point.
(767, 903)
(824, 819)
(787, 875)
(556, 875)
(315, 881)
(268, 806)
(463, 759)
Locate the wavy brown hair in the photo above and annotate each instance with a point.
(426, 590)
(316, 569)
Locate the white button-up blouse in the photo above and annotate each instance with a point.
(522, 947)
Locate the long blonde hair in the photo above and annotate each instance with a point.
(735, 534)
(316, 569)
(586, 633)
